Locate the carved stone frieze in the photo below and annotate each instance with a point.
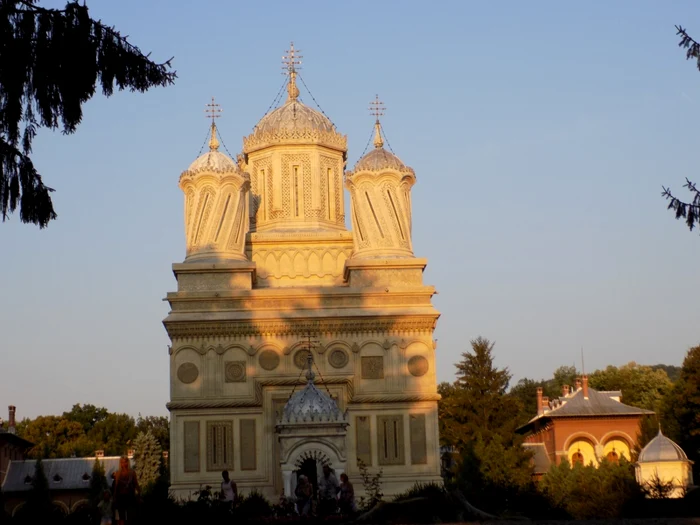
(299, 327)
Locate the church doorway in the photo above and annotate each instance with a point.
(308, 469)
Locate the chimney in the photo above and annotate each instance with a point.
(539, 401)
(585, 387)
(577, 384)
(11, 423)
(565, 390)
(545, 403)
(99, 453)
(130, 453)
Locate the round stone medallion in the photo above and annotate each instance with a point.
(269, 360)
(301, 358)
(338, 358)
(418, 365)
(188, 373)
(235, 371)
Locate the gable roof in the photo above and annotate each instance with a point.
(70, 470)
(14, 440)
(597, 404)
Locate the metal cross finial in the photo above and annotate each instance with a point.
(376, 108)
(291, 63)
(213, 110)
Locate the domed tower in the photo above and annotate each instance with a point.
(380, 191)
(296, 159)
(216, 204)
(663, 462)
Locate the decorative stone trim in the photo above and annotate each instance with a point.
(299, 327)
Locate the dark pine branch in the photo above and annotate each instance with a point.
(689, 44)
(51, 63)
(690, 211)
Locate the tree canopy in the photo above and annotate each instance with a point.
(51, 62)
(87, 428)
(641, 386)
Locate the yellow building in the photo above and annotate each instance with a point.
(271, 273)
(664, 461)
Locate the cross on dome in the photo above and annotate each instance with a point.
(213, 111)
(376, 109)
(291, 62)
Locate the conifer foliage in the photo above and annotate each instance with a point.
(147, 459)
(51, 62)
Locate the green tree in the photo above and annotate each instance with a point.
(38, 502)
(87, 415)
(477, 404)
(673, 372)
(681, 411)
(51, 62)
(53, 436)
(641, 386)
(159, 426)
(479, 418)
(147, 459)
(98, 482)
(114, 433)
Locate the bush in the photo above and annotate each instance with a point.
(589, 492)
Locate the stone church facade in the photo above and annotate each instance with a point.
(271, 274)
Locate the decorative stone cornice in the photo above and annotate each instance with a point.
(260, 140)
(227, 328)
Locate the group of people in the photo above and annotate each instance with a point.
(333, 496)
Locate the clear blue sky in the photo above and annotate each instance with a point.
(540, 133)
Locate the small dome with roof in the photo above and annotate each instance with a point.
(661, 448)
(379, 159)
(213, 160)
(311, 404)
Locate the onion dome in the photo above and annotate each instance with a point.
(661, 448)
(311, 404)
(294, 116)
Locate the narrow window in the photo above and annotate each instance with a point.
(396, 440)
(329, 184)
(381, 232)
(261, 190)
(296, 191)
(223, 216)
(199, 224)
(398, 219)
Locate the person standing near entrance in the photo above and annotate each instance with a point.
(328, 492)
(126, 488)
(303, 493)
(346, 499)
(229, 491)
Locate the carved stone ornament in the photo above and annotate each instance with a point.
(187, 373)
(235, 371)
(301, 359)
(338, 358)
(373, 367)
(269, 360)
(418, 365)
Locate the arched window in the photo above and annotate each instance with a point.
(577, 458)
(613, 456)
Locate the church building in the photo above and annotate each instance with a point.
(295, 341)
